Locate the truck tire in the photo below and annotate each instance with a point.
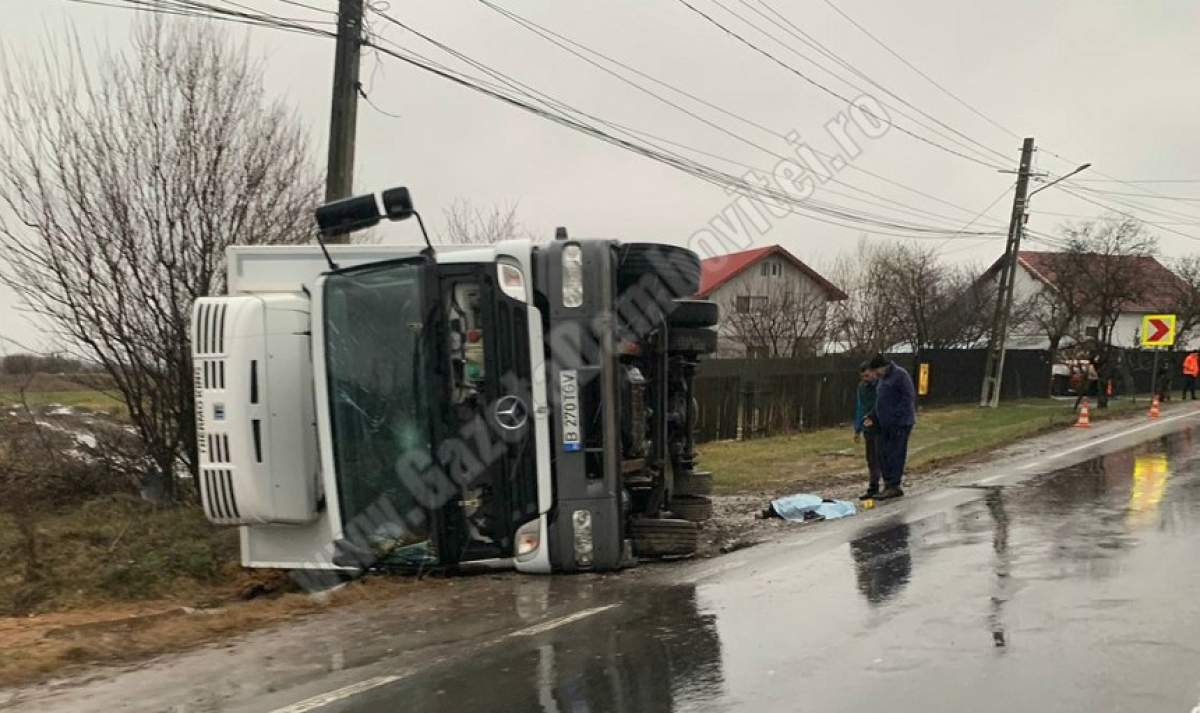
(664, 537)
(676, 268)
(694, 313)
(691, 340)
(697, 482)
(695, 508)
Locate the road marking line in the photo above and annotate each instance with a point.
(1090, 444)
(1112, 436)
(561, 621)
(324, 699)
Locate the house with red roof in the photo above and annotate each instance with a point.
(1039, 279)
(772, 303)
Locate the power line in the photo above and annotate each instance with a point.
(1110, 206)
(1138, 180)
(1156, 210)
(1156, 196)
(821, 212)
(791, 28)
(984, 116)
(737, 183)
(1108, 178)
(983, 212)
(577, 49)
(824, 88)
(1091, 216)
(925, 76)
(548, 34)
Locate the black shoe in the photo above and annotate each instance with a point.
(889, 493)
(870, 494)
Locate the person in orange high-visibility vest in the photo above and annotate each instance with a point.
(1191, 369)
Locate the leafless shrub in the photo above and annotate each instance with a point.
(774, 318)
(122, 182)
(469, 224)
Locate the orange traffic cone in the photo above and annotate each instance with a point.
(1154, 410)
(1085, 420)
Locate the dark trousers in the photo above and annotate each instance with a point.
(1189, 386)
(1093, 389)
(873, 465)
(893, 452)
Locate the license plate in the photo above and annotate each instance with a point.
(568, 389)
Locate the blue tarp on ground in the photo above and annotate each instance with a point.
(812, 507)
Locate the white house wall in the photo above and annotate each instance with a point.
(1126, 332)
(751, 282)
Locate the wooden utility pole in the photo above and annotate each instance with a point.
(343, 117)
(994, 369)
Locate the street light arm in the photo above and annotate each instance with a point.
(1084, 167)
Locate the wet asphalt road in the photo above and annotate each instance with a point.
(1075, 590)
(1063, 576)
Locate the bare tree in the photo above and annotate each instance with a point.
(776, 317)
(1105, 261)
(468, 224)
(931, 304)
(859, 325)
(1055, 309)
(1184, 295)
(123, 181)
(1104, 255)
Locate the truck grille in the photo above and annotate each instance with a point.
(216, 492)
(519, 463)
(210, 329)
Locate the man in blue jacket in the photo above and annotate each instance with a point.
(864, 403)
(895, 415)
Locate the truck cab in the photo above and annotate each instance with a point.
(521, 403)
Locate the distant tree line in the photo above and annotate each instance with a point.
(25, 364)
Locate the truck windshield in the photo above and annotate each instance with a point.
(376, 348)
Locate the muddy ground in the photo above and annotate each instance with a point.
(737, 524)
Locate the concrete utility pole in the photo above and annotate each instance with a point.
(343, 118)
(994, 370)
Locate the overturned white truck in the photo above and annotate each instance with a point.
(525, 403)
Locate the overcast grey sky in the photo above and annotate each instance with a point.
(1113, 83)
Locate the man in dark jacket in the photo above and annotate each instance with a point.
(864, 403)
(895, 415)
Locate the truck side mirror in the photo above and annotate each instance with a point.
(348, 214)
(397, 203)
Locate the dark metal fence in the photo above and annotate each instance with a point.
(750, 398)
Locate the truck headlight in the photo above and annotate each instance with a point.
(511, 279)
(572, 276)
(529, 539)
(582, 526)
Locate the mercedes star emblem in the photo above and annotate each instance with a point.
(511, 412)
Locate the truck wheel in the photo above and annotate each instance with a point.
(694, 508)
(694, 313)
(664, 537)
(677, 269)
(691, 340)
(697, 482)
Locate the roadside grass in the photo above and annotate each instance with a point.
(829, 458)
(89, 400)
(35, 647)
(116, 549)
